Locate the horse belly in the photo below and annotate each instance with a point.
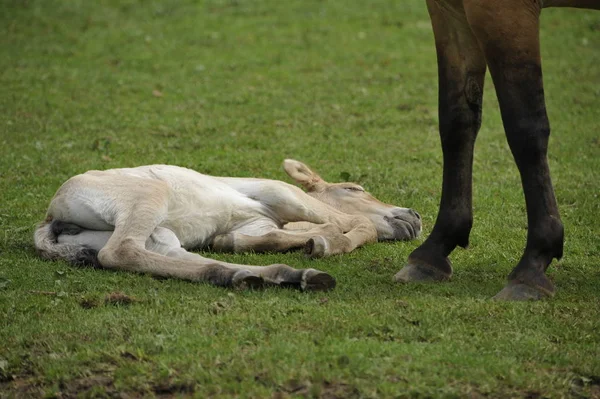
(196, 215)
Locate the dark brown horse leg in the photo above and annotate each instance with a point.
(509, 34)
(461, 70)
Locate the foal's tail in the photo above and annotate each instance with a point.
(47, 245)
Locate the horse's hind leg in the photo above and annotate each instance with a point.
(163, 242)
(461, 70)
(515, 65)
(139, 216)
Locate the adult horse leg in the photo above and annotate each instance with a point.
(461, 72)
(508, 31)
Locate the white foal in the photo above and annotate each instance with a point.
(145, 219)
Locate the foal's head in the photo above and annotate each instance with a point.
(391, 222)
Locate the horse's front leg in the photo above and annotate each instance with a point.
(461, 71)
(274, 239)
(320, 240)
(515, 65)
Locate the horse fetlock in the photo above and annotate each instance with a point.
(531, 269)
(453, 230)
(317, 247)
(320, 246)
(280, 272)
(547, 238)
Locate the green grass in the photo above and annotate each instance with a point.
(232, 87)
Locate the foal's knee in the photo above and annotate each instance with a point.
(224, 243)
(124, 252)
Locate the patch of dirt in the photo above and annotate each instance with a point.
(129, 355)
(30, 387)
(88, 302)
(95, 385)
(533, 395)
(335, 390)
(20, 387)
(119, 298)
(173, 388)
(325, 390)
(85, 386)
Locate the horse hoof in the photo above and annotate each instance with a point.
(314, 280)
(316, 247)
(522, 292)
(419, 273)
(245, 279)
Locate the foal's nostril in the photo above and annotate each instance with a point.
(415, 214)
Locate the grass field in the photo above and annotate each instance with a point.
(232, 87)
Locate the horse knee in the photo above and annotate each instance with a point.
(162, 241)
(125, 252)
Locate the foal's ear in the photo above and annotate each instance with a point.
(303, 175)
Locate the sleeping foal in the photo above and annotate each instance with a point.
(145, 220)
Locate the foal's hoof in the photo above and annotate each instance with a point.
(316, 247)
(419, 273)
(314, 280)
(244, 279)
(522, 292)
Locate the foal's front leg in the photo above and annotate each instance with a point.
(461, 70)
(335, 232)
(323, 240)
(318, 241)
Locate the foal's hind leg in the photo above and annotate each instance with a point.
(461, 70)
(165, 242)
(137, 214)
(515, 65)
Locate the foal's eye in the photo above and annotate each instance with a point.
(354, 188)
